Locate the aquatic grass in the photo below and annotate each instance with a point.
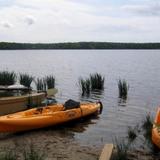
(25, 79)
(7, 78)
(123, 88)
(85, 85)
(132, 134)
(32, 154)
(147, 125)
(94, 82)
(97, 81)
(50, 81)
(41, 84)
(122, 148)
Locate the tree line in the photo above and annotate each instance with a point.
(78, 45)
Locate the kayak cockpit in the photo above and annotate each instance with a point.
(43, 111)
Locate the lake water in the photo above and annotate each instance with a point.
(141, 69)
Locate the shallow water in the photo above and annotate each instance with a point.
(141, 69)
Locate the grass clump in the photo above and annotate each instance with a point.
(8, 155)
(41, 85)
(32, 154)
(85, 86)
(123, 88)
(25, 79)
(97, 81)
(132, 134)
(50, 81)
(94, 82)
(7, 78)
(147, 127)
(122, 148)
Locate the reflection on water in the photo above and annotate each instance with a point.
(95, 95)
(122, 102)
(139, 67)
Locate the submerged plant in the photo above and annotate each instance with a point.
(25, 79)
(7, 78)
(123, 88)
(50, 81)
(97, 81)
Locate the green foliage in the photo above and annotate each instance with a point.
(8, 155)
(7, 78)
(94, 82)
(79, 45)
(122, 148)
(29, 153)
(41, 85)
(25, 79)
(50, 81)
(147, 126)
(97, 81)
(132, 135)
(85, 86)
(32, 154)
(123, 88)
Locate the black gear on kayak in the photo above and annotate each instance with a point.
(71, 104)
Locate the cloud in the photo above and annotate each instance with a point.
(30, 20)
(144, 10)
(67, 20)
(6, 24)
(6, 3)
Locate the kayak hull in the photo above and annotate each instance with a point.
(43, 117)
(156, 129)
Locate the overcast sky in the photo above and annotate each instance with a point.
(80, 20)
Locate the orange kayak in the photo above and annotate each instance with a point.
(45, 116)
(156, 129)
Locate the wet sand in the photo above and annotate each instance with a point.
(59, 144)
(55, 145)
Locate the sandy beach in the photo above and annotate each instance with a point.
(58, 144)
(55, 145)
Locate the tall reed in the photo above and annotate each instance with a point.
(50, 81)
(132, 134)
(7, 78)
(94, 82)
(97, 81)
(41, 85)
(123, 88)
(85, 85)
(25, 79)
(147, 127)
(122, 148)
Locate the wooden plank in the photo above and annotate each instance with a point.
(106, 152)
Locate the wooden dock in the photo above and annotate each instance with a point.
(19, 103)
(106, 152)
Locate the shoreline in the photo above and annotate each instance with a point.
(53, 144)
